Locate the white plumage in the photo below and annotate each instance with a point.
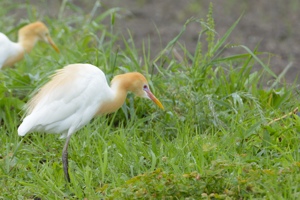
(74, 95)
(70, 103)
(12, 52)
(8, 49)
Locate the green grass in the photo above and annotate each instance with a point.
(214, 140)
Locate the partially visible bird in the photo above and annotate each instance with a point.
(76, 94)
(12, 52)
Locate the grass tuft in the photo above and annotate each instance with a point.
(226, 132)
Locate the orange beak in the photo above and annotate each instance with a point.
(50, 41)
(154, 99)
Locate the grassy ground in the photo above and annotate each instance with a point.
(225, 133)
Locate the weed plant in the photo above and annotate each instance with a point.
(227, 132)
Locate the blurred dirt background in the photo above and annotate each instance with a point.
(272, 25)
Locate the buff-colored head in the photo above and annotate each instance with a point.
(34, 32)
(138, 85)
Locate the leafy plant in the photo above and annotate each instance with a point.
(224, 134)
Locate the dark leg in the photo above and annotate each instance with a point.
(65, 159)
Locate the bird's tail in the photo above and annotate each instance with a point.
(23, 129)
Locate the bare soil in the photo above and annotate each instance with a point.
(272, 25)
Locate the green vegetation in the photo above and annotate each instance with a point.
(224, 134)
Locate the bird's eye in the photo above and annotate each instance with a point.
(145, 87)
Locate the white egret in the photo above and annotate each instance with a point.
(76, 94)
(28, 36)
